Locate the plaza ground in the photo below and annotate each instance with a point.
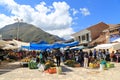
(13, 71)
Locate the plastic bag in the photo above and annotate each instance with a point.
(41, 67)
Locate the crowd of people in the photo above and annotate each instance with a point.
(80, 56)
(83, 57)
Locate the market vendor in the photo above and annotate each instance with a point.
(111, 56)
(41, 57)
(117, 54)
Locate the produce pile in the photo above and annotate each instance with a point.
(94, 64)
(106, 64)
(26, 59)
(32, 65)
(11, 56)
(97, 63)
(72, 63)
(110, 65)
(51, 70)
(49, 64)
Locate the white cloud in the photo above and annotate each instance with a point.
(74, 11)
(85, 11)
(54, 19)
(42, 8)
(5, 20)
(63, 32)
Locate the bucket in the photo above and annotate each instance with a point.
(102, 67)
(108, 65)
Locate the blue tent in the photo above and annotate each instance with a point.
(26, 47)
(77, 47)
(42, 42)
(71, 44)
(57, 45)
(40, 46)
(35, 46)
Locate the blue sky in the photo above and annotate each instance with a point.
(60, 17)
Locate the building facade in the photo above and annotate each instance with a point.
(114, 32)
(90, 34)
(83, 36)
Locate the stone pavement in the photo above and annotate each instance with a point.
(68, 74)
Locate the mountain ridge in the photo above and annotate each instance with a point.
(27, 32)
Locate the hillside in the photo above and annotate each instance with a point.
(27, 33)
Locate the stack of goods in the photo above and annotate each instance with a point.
(24, 62)
(51, 70)
(94, 64)
(32, 65)
(49, 64)
(72, 63)
(12, 56)
(109, 65)
(27, 59)
(103, 65)
(50, 67)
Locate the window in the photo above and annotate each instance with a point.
(79, 38)
(83, 37)
(87, 35)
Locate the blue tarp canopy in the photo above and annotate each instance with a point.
(57, 45)
(71, 44)
(77, 47)
(35, 46)
(42, 42)
(26, 47)
(40, 46)
(30, 48)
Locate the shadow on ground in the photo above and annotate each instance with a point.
(8, 67)
(66, 69)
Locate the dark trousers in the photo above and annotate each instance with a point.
(58, 60)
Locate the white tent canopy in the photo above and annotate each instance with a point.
(20, 43)
(111, 47)
(14, 44)
(8, 46)
(2, 43)
(104, 46)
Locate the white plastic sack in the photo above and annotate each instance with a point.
(41, 67)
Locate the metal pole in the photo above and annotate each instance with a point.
(18, 31)
(18, 20)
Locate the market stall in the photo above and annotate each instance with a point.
(111, 46)
(44, 46)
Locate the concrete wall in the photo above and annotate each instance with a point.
(82, 36)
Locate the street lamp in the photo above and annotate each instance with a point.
(18, 20)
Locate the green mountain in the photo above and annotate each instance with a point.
(27, 32)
